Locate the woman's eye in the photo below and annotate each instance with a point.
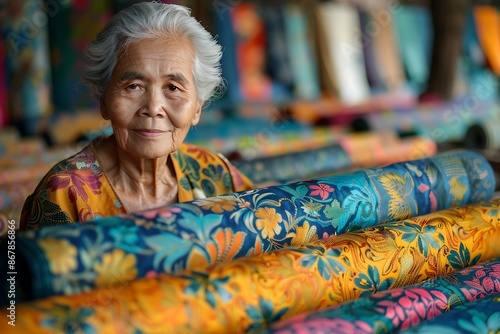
(133, 86)
(172, 88)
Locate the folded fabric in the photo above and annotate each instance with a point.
(393, 310)
(249, 292)
(67, 259)
(482, 316)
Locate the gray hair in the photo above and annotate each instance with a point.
(150, 20)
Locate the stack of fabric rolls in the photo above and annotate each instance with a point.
(405, 246)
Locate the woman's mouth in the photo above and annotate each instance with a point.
(150, 133)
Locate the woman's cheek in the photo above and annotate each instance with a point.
(121, 135)
(182, 118)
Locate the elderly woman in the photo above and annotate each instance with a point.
(153, 66)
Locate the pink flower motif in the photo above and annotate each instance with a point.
(165, 212)
(488, 284)
(321, 189)
(480, 273)
(412, 305)
(151, 274)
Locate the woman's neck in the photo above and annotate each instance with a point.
(139, 183)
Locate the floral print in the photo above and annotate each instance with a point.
(115, 267)
(62, 255)
(268, 222)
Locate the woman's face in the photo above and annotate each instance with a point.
(151, 99)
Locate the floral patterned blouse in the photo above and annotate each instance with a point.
(78, 190)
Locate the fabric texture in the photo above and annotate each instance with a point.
(203, 232)
(249, 292)
(397, 309)
(78, 190)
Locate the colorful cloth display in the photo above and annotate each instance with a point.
(249, 292)
(212, 230)
(396, 309)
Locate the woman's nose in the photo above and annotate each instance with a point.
(154, 104)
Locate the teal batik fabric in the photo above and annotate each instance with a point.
(252, 222)
(482, 316)
(441, 299)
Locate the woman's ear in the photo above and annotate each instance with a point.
(196, 117)
(104, 110)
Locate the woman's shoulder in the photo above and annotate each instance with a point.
(82, 162)
(209, 170)
(196, 151)
(199, 155)
(58, 196)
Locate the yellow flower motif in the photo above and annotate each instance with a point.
(115, 267)
(268, 222)
(219, 204)
(304, 234)
(60, 254)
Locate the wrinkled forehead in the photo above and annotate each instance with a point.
(172, 51)
(168, 43)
